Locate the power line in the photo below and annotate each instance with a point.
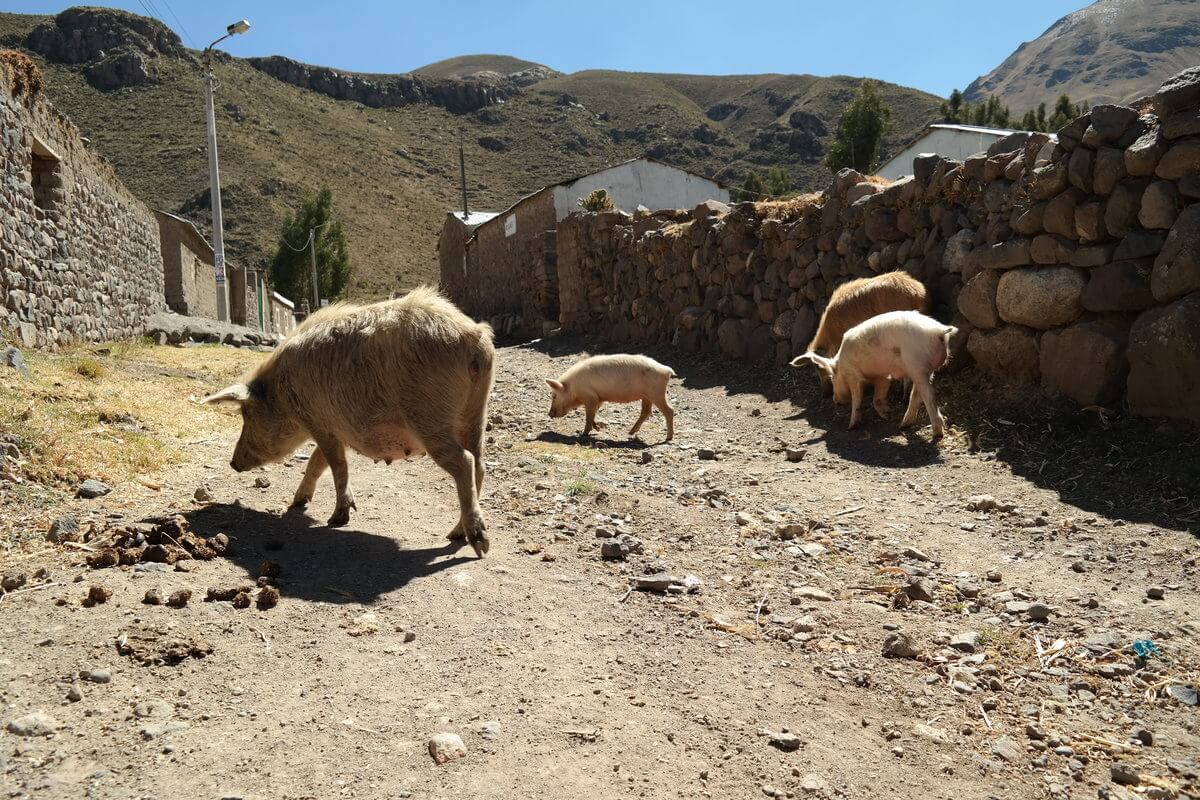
(179, 22)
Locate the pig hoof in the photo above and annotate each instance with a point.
(341, 515)
(882, 412)
(472, 529)
(301, 500)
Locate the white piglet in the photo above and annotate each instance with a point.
(613, 379)
(892, 346)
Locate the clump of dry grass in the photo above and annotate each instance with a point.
(125, 411)
(90, 368)
(878, 181)
(23, 76)
(790, 208)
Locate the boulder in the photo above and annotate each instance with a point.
(1071, 135)
(1060, 213)
(731, 338)
(977, 300)
(1164, 361)
(1182, 123)
(1089, 222)
(1084, 362)
(1051, 249)
(1003, 255)
(1141, 157)
(710, 208)
(958, 248)
(1008, 355)
(1041, 298)
(1049, 181)
(1189, 185)
(1120, 286)
(1013, 141)
(119, 70)
(1121, 210)
(1183, 158)
(1092, 255)
(1177, 267)
(1140, 244)
(1178, 92)
(1079, 169)
(1109, 168)
(1160, 206)
(1109, 123)
(1028, 221)
(804, 325)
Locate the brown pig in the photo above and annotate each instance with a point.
(390, 380)
(613, 379)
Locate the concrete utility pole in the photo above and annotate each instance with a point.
(462, 171)
(214, 172)
(311, 246)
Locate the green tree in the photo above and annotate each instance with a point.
(778, 182)
(860, 131)
(1041, 117)
(753, 187)
(1065, 112)
(291, 269)
(1029, 121)
(952, 108)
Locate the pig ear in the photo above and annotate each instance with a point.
(555, 385)
(237, 393)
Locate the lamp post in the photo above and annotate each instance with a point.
(312, 261)
(214, 172)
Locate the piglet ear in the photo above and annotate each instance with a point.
(237, 393)
(555, 385)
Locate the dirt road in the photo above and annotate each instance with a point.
(768, 679)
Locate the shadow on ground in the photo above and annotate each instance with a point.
(335, 565)
(1135, 469)
(612, 437)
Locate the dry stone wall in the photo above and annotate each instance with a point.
(1071, 264)
(79, 254)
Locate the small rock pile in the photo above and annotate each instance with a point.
(165, 542)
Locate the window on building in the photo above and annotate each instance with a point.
(49, 191)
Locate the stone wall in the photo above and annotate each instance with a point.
(79, 254)
(501, 281)
(189, 279)
(1071, 264)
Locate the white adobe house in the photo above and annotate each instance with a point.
(945, 139)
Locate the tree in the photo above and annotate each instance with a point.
(778, 182)
(1041, 117)
(860, 131)
(753, 187)
(1065, 112)
(291, 269)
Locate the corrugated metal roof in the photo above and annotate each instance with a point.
(474, 218)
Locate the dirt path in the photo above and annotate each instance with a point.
(562, 682)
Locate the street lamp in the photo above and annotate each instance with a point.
(214, 172)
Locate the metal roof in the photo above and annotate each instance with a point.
(474, 218)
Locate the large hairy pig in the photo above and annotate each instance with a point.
(613, 379)
(896, 345)
(390, 380)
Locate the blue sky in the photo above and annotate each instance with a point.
(935, 45)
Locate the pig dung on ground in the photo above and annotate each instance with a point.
(896, 345)
(856, 301)
(391, 380)
(613, 379)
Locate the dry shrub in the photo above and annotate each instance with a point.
(23, 75)
(598, 200)
(878, 181)
(790, 208)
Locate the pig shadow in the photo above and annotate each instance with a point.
(319, 563)
(595, 442)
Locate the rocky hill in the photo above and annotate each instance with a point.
(387, 145)
(1113, 51)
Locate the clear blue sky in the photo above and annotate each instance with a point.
(935, 45)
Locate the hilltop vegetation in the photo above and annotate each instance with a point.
(394, 171)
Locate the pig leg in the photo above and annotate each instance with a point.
(645, 415)
(335, 454)
(312, 473)
(668, 413)
(880, 396)
(856, 393)
(445, 450)
(590, 407)
(935, 416)
(914, 404)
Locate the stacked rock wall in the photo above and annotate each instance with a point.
(1071, 264)
(79, 254)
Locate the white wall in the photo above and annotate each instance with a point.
(655, 186)
(946, 142)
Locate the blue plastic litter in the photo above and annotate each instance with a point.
(1146, 648)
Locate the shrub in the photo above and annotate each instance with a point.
(596, 201)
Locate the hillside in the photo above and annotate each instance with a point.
(389, 150)
(1113, 51)
(467, 66)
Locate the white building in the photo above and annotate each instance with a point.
(948, 140)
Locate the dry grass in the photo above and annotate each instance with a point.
(22, 74)
(113, 413)
(790, 208)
